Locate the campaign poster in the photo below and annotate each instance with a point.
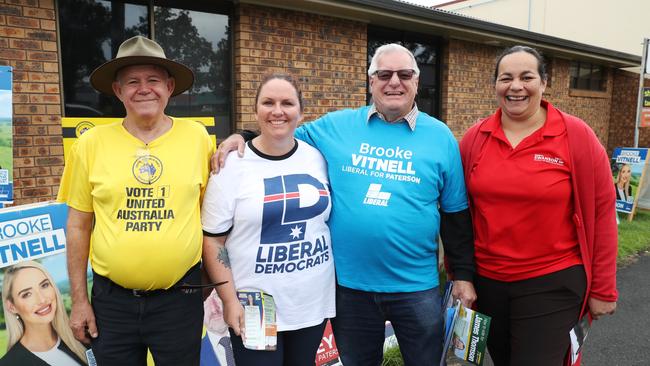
(628, 165)
(73, 127)
(216, 349)
(327, 354)
(34, 232)
(6, 137)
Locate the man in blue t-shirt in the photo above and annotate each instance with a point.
(397, 182)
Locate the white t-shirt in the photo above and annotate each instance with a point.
(274, 211)
(56, 357)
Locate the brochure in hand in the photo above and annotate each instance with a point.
(466, 332)
(578, 335)
(260, 332)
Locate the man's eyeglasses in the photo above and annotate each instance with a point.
(384, 75)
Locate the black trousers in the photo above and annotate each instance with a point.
(531, 319)
(167, 322)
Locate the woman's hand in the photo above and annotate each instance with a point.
(598, 308)
(464, 291)
(233, 314)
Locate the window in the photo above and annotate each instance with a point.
(586, 76)
(195, 33)
(426, 51)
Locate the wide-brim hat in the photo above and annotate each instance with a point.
(140, 50)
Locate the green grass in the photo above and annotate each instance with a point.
(6, 150)
(3, 342)
(633, 237)
(393, 357)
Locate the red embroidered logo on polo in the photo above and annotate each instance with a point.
(548, 159)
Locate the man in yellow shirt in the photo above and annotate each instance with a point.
(134, 190)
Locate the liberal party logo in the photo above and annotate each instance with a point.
(375, 196)
(147, 169)
(289, 201)
(82, 127)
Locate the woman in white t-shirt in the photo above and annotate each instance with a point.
(265, 229)
(37, 325)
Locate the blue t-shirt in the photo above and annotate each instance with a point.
(388, 183)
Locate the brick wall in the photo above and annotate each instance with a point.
(28, 43)
(468, 89)
(328, 56)
(595, 109)
(623, 115)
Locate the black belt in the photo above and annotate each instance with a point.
(180, 285)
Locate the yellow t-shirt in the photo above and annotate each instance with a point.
(146, 200)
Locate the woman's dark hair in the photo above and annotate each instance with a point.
(281, 76)
(541, 65)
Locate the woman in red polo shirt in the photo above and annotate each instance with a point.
(542, 202)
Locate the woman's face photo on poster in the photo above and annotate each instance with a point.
(32, 297)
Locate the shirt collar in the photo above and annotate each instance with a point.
(554, 125)
(410, 118)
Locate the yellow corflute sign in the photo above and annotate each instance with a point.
(73, 127)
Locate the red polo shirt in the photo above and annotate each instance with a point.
(523, 204)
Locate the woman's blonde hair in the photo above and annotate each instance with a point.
(618, 177)
(60, 323)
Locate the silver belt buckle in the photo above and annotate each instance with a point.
(138, 293)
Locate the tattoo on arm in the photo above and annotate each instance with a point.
(222, 257)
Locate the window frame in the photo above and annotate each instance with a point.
(226, 8)
(594, 78)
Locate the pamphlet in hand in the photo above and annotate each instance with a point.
(449, 315)
(260, 332)
(578, 336)
(466, 333)
(90, 357)
(449, 308)
(447, 300)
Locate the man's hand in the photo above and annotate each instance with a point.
(233, 314)
(233, 142)
(464, 291)
(598, 308)
(82, 322)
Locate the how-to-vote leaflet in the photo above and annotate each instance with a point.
(260, 332)
(578, 335)
(466, 333)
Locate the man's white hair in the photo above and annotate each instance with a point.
(389, 48)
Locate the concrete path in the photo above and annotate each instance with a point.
(624, 338)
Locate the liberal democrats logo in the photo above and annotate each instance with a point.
(147, 169)
(289, 201)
